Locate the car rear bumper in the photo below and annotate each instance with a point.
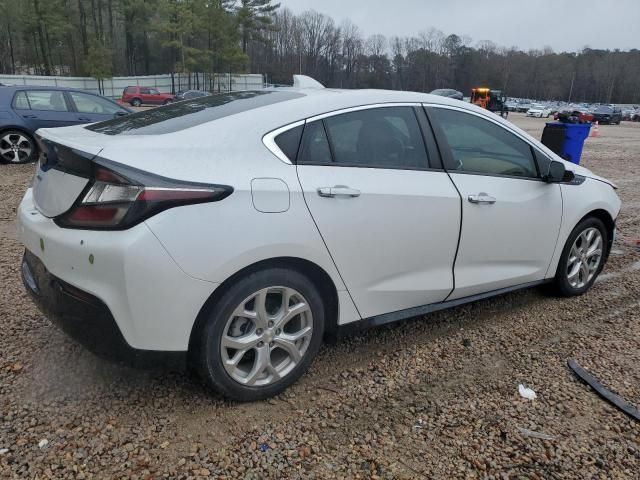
(86, 319)
(131, 281)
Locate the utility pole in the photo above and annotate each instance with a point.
(573, 78)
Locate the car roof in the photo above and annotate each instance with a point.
(43, 87)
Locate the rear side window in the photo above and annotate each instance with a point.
(130, 90)
(20, 101)
(477, 145)
(388, 137)
(189, 113)
(289, 142)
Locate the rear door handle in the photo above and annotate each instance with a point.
(482, 198)
(30, 116)
(84, 119)
(338, 191)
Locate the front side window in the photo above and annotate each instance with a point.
(91, 104)
(50, 100)
(477, 145)
(388, 137)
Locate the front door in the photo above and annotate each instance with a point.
(389, 220)
(510, 216)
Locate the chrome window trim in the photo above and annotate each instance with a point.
(269, 141)
(269, 138)
(362, 107)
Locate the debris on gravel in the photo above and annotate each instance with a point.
(432, 397)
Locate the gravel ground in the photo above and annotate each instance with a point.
(434, 397)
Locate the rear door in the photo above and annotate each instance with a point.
(389, 215)
(43, 108)
(511, 217)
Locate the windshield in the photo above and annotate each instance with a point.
(603, 110)
(189, 113)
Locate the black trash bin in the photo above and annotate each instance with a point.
(553, 136)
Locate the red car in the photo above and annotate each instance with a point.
(137, 96)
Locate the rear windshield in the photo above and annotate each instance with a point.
(604, 110)
(189, 113)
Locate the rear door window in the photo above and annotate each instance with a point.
(315, 148)
(388, 137)
(48, 100)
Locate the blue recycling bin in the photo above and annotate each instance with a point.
(566, 139)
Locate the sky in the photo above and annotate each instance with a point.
(563, 25)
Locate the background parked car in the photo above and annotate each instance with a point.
(448, 92)
(539, 111)
(606, 114)
(28, 108)
(188, 94)
(137, 96)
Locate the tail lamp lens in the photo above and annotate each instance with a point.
(115, 202)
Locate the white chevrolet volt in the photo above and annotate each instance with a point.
(235, 231)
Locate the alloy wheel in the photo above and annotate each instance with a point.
(585, 257)
(266, 336)
(15, 147)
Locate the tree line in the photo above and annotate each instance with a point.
(104, 38)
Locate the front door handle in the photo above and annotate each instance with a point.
(84, 119)
(30, 116)
(482, 198)
(338, 191)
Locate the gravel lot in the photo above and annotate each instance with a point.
(433, 397)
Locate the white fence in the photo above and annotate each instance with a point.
(166, 83)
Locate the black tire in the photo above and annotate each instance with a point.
(136, 102)
(561, 285)
(5, 138)
(207, 353)
(168, 101)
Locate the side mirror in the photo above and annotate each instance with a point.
(120, 113)
(558, 173)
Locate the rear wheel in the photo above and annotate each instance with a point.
(136, 102)
(582, 258)
(261, 335)
(17, 147)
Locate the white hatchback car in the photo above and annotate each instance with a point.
(242, 227)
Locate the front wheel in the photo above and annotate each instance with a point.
(261, 335)
(582, 258)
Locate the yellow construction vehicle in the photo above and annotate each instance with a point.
(492, 100)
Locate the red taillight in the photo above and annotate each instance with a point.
(113, 201)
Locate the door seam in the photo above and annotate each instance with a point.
(304, 198)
